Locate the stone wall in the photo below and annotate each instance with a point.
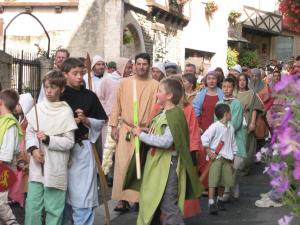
(5, 69)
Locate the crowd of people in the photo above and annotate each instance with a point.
(198, 135)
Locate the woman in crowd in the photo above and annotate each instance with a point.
(252, 106)
(204, 106)
(189, 82)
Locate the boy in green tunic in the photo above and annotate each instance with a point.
(169, 177)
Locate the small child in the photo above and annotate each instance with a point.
(19, 190)
(162, 187)
(220, 133)
(10, 137)
(49, 146)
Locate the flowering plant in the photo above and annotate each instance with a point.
(291, 14)
(210, 8)
(283, 154)
(233, 17)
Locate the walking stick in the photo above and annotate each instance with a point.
(103, 183)
(136, 138)
(38, 128)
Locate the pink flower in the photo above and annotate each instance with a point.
(286, 220)
(296, 172)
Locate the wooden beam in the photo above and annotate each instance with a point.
(70, 4)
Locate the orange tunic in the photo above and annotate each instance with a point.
(123, 109)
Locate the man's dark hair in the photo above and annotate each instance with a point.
(71, 63)
(174, 87)
(191, 65)
(220, 110)
(63, 50)
(230, 80)
(55, 77)
(298, 58)
(10, 98)
(191, 79)
(143, 55)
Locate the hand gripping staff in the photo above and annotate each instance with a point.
(217, 151)
(103, 183)
(136, 138)
(38, 129)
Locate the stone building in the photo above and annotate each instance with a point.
(169, 31)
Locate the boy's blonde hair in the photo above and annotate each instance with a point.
(55, 77)
(174, 87)
(10, 98)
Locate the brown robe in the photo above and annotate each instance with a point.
(123, 109)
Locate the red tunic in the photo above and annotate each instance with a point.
(205, 120)
(208, 111)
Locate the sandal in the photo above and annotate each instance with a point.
(123, 206)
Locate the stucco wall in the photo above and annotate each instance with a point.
(5, 68)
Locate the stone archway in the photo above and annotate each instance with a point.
(133, 43)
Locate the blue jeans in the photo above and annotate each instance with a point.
(78, 216)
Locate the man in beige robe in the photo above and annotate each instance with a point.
(123, 109)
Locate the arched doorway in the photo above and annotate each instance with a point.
(36, 19)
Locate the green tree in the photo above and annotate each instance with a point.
(248, 58)
(232, 57)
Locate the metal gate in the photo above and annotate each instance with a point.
(26, 73)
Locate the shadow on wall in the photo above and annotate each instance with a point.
(89, 36)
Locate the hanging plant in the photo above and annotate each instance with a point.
(290, 10)
(127, 37)
(233, 17)
(210, 8)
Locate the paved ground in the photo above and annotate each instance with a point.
(242, 212)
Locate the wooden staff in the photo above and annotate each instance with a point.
(205, 172)
(103, 183)
(38, 129)
(136, 138)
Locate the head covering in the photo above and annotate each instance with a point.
(212, 73)
(26, 102)
(97, 58)
(237, 68)
(160, 66)
(258, 84)
(121, 65)
(112, 64)
(170, 65)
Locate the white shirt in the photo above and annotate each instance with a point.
(216, 133)
(95, 83)
(10, 144)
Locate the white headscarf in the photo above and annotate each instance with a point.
(26, 102)
(97, 58)
(160, 66)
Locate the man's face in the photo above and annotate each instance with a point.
(60, 57)
(128, 69)
(189, 69)
(157, 74)
(142, 67)
(99, 68)
(296, 68)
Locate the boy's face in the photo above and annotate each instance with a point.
(227, 89)
(162, 96)
(227, 115)
(74, 77)
(52, 91)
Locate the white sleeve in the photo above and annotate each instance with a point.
(61, 143)
(31, 139)
(9, 144)
(95, 129)
(207, 136)
(161, 141)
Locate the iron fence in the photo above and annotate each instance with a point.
(26, 73)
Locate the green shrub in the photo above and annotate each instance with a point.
(248, 58)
